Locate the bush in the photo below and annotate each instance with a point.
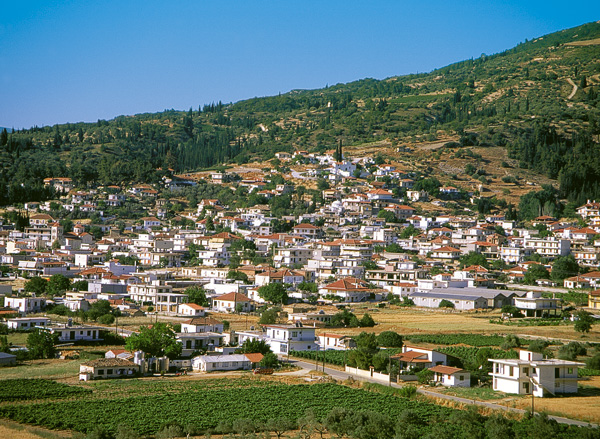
(367, 321)
(510, 341)
(106, 319)
(538, 346)
(425, 376)
(408, 391)
(389, 339)
(593, 362)
(571, 351)
(446, 304)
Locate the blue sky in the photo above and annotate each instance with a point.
(69, 61)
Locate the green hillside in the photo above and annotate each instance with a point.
(539, 100)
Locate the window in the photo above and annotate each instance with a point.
(570, 371)
(100, 372)
(526, 371)
(461, 377)
(109, 372)
(556, 384)
(510, 371)
(557, 372)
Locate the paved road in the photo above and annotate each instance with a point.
(341, 375)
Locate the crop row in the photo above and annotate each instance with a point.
(207, 408)
(475, 356)
(24, 389)
(476, 340)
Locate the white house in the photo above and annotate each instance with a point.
(191, 309)
(202, 324)
(27, 323)
(230, 301)
(336, 341)
(451, 376)
(25, 304)
(193, 341)
(107, 368)
(531, 373)
(208, 363)
(413, 357)
(296, 337)
(534, 305)
(70, 332)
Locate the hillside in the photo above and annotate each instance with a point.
(529, 114)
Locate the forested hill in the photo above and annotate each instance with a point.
(538, 99)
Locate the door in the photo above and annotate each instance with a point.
(72, 335)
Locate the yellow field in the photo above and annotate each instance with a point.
(412, 321)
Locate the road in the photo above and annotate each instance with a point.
(341, 375)
(570, 81)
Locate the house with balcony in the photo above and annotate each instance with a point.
(532, 374)
(534, 305)
(294, 337)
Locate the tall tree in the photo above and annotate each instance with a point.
(157, 341)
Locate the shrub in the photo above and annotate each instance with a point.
(408, 391)
(510, 341)
(425, 376)
(571, 351)
(389, 339)
(593, 362)
(107, 319)
(446, 304)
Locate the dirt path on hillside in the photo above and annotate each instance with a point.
(575, 88)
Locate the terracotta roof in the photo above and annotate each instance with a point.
(348, 284)
(203, 321)
(193, 306)
(254, 358)
(233, 297)
(445, 369)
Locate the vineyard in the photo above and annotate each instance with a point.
(27, 389)
(470, 355)
(331, 357)
(206, 408)
(476, 340)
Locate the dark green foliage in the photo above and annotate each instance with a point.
(446, 304)
(510, 341)
(148, 414)
(571, 351)
(269, 316)
(389, 339)
(477, 340)
(563, 267)
(36, 285)
(473, 258)
(197, 295)
(40, 344)
(584, 322)
(58, 284)
(269, 360)
(544, 202)
(157, 341)
(254, 346)
(366, 321)
(106, 319)
(344, 318)
(538, 346)
(535, 272)
(98, 309)
(24, 389)
(274, 293)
